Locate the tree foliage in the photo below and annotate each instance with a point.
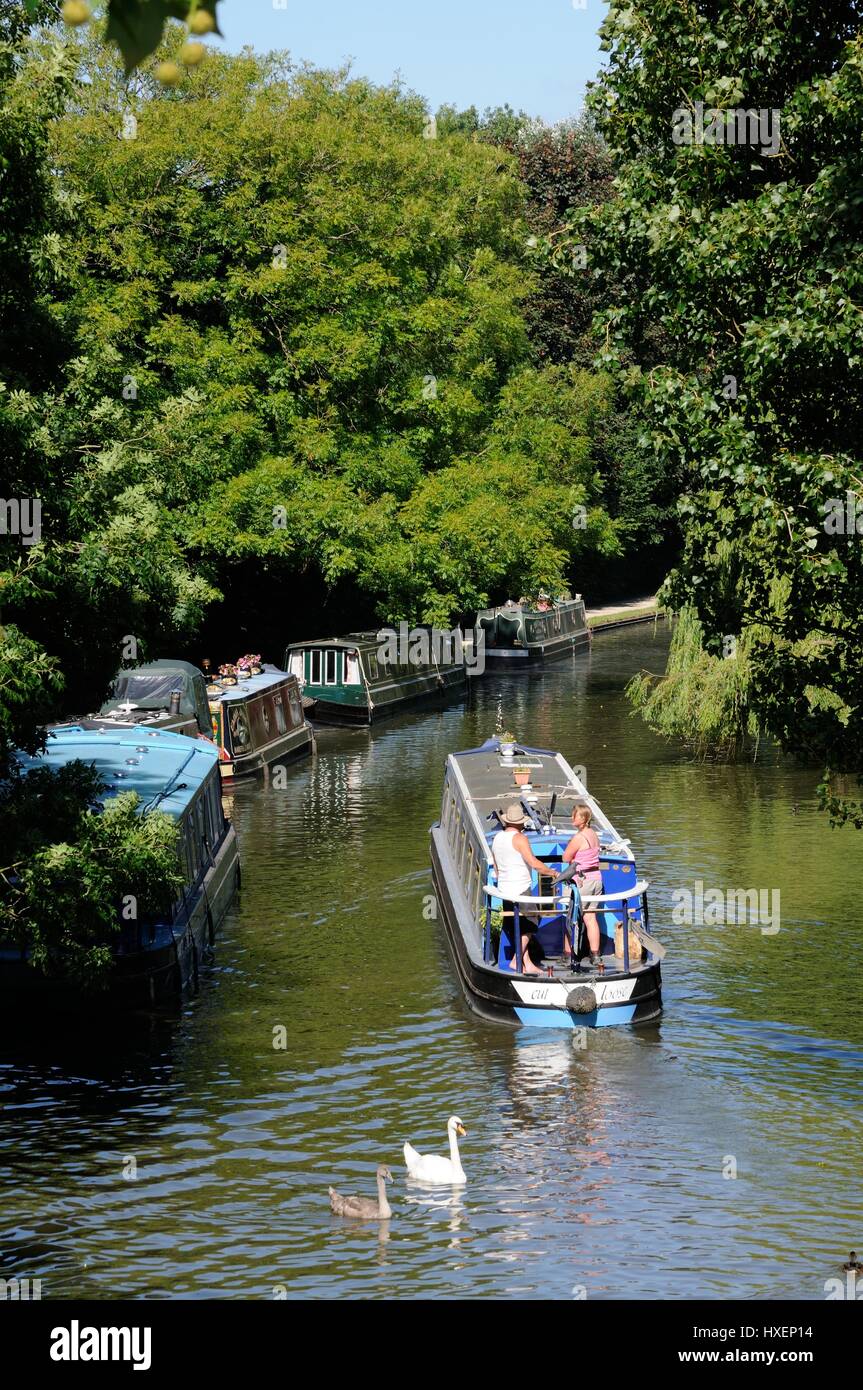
(72, 863)
(731, 280)
(322, 314)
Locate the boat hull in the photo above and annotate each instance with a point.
(528, 658)
(387, 700)
(533, 1002)
(297, 743)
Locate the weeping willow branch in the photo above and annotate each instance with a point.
(702, 699)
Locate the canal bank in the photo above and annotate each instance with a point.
(625, 614)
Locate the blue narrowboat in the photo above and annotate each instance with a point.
(624, 984)
(171, 773)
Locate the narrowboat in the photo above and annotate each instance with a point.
(169, 695)
(154, 962)
(624, 984)
(520, 637)
(364, 676)
(258, 720)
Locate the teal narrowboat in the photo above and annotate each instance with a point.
(364, 676)
(153, 961)
(522, 636)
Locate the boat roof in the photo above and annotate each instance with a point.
(350, 639)
(512, 608)
(164, 768)
(249, 686)
(486, 785)
(164, 664)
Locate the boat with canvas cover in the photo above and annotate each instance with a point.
(482, 928)
(168, 694)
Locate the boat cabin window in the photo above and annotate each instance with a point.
(215, 814)
(372, 661)
(352, 668)
(331, 667)
(281, 722)
(191, 847)
(315, 666)
(296, 708)
(296, 665)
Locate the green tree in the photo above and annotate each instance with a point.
(321, 309)
(731, 276)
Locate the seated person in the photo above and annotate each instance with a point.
(513, 860)
(583, 851)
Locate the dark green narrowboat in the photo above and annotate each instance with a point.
(169, 695)
(364, 676)
(522, 636)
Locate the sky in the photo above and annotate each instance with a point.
(538, 55)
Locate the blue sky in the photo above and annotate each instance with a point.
(536, 54)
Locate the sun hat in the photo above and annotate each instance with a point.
(514, 815)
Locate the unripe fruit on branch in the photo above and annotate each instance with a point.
(168, 74)
(192, 53)
(202, 22)
(75, 12)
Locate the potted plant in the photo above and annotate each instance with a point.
(227, 674)
(521, 773)
(249, 665)
(507, 745)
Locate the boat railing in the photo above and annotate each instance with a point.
(566, 907)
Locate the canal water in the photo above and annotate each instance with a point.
(714, 1154)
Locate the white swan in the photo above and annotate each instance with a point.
(433, 1168)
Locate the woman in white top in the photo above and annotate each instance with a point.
(513, 861)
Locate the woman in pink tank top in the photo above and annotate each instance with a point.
(583, 851)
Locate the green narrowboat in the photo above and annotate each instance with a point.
(522, 636)
(364, 676)
(169, 695)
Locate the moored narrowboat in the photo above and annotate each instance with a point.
(364, 676)
(153, 961)
(257, 721)
(622, 985)
(522, 636)
(169, 695)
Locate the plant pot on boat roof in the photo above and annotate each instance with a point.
(521, 774)
(507, 744)
(227, 675)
